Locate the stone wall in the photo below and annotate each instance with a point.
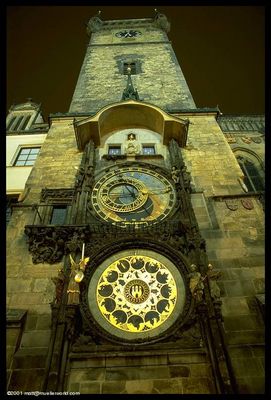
(232, 224)
(139, 372)
(29, 286)
(101, 81)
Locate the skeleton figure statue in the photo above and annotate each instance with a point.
(175, 174)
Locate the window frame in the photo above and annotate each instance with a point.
(249, 181)
(116, 146)
(132, 64)
(11, 199)
(19, 153)
(148, 145)
(57, 207)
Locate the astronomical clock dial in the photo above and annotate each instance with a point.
(133, 195)
(136, 294)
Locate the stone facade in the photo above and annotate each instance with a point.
(42, 341)
(161, 373)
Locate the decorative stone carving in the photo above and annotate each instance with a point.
(213, 276)
(232, 204)
(59, 282)
(175, 174)
(56, 194)
(196, 283)
(186, 179)
(247, 204)
(48, 244)
(94, 24)
(45, 244)
(132, 146)
(178, 164)
(85, 173)
(161, 21)
(256, 139)
(246, 139)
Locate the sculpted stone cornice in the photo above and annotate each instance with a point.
(48, 244)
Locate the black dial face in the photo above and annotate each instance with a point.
(128, 34)
(133, 195)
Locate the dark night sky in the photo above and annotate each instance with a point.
(221, 50)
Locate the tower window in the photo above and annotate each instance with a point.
(253, 180)
(148, 149)
(58, 215)
(132, 65)
(114, 150)
(27, 156)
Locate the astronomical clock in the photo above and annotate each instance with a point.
(133, 194)
(139, 293)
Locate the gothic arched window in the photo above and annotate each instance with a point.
(253, 179)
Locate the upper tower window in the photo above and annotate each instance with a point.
(132, 66)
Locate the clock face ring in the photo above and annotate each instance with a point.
(136, 294)
(126, 195)
(133, 194)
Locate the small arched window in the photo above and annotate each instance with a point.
(253, 179)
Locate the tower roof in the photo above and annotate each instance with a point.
(96, 23)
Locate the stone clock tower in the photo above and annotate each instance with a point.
(125, 187)
(141, 43)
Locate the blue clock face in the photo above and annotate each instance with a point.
(128, 34)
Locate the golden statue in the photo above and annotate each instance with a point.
(76, 276)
